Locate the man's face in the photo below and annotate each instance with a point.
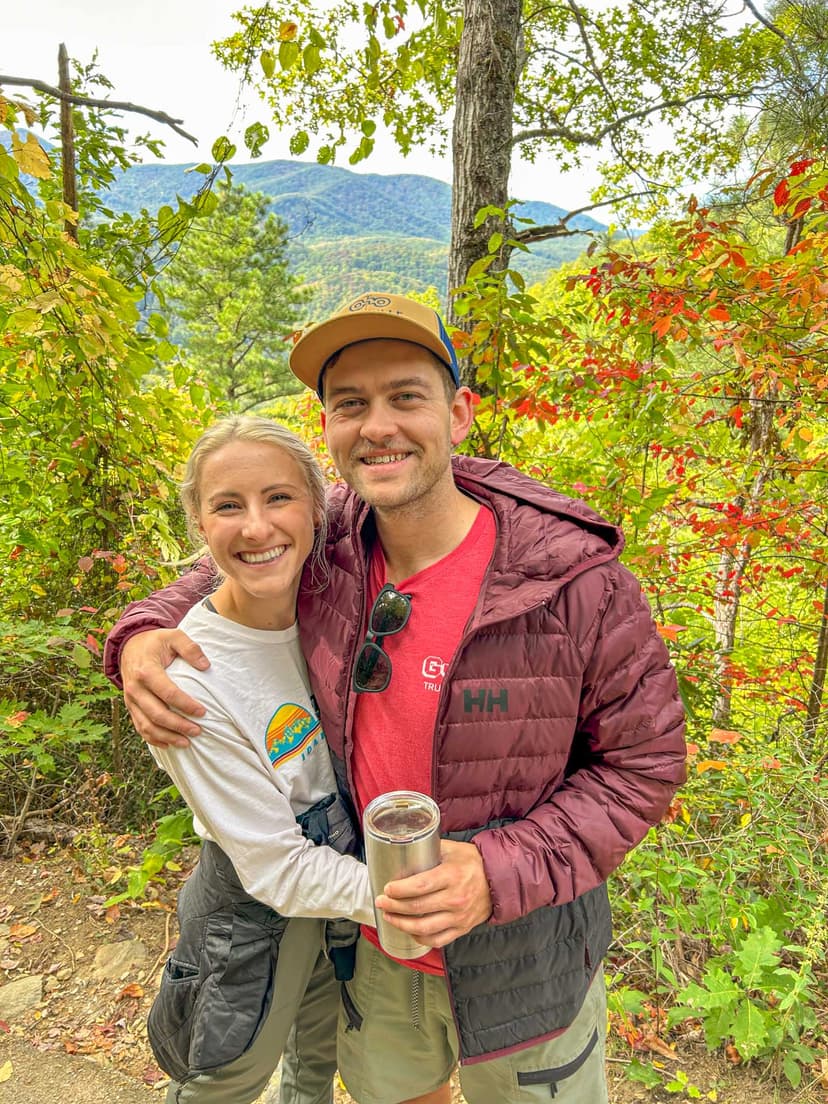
(389, 424)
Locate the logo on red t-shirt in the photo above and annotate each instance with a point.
(434, 669)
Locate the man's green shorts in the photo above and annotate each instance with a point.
(397, 1040)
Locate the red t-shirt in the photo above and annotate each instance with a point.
(394, 730)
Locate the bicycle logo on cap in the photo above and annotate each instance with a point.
(370, 301)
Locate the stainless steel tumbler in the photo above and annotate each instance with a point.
(402, 837)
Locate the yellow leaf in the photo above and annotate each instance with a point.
(6, 1071)
(806, 434)
(11, 278)
(710, 764)
(744, 820)
(31, 157)
(287, 31)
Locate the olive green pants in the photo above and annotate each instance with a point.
(301, 1022)
(397, 1040)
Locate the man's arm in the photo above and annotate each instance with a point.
(628, 759)
(143, 644)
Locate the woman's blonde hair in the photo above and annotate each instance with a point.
(266, 431)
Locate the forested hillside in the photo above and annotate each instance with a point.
(353, 231)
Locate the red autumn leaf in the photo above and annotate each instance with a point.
(670, 632)
(721, 314)
(119, 564)
(799, 167)
(134, 990)
(673, 811)
(14, 720)
(658, 1046)
(22, 931)
(724, 736)
(661, 326)
(781, 193)
(86, 563)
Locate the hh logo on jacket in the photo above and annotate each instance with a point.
(485, 699)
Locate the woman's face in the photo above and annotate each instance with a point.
(257, 518)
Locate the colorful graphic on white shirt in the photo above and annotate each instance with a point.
(291, 732)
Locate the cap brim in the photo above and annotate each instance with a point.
(311, 352)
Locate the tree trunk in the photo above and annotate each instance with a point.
(733, 562)
(67, 142)
(487, 74)
(817, 688)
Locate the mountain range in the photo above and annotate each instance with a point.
(350, 232)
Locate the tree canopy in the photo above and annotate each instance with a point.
(233, 300)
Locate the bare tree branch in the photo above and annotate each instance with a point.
(764, 20)
(560, 229)
(582, 138)
(88, 101)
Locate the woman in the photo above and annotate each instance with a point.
(256, 913)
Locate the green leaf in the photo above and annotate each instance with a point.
(480, 266)
(758, 953)
(268, 63)
(750, 1031)
(495, 242)
(487, 212)
(223, 149)
(792, 1070)
(255, 137)
(81, 656)
(299, 142)
(288, 54)
(311, 60)
(368, 126)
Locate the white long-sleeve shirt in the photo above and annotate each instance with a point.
(261, 759)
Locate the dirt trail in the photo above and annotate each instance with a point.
(86, 977)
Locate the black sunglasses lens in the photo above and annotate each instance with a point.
(390, 612)
(373, 669)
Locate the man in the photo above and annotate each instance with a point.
(524, 686)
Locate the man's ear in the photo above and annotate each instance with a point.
(462, 414)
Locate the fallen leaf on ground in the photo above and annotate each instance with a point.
(6, 1071)
(658, 1046)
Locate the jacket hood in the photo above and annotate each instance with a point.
(545, 538)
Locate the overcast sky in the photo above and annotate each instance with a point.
(157, 54)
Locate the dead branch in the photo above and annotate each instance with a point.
(89, 101)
